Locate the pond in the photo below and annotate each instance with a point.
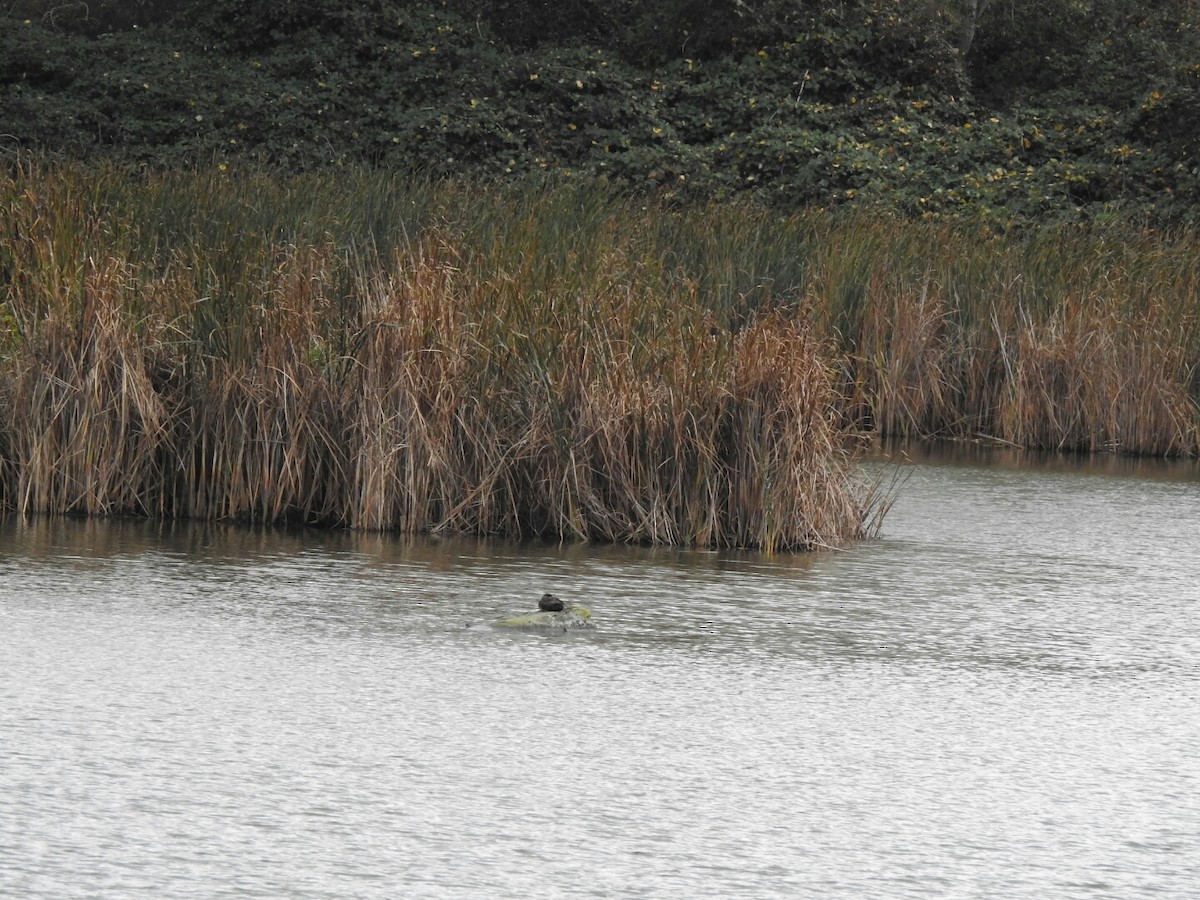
(999, 697)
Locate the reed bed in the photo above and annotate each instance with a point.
(1086, 341)
(472, 369)
(549, 359)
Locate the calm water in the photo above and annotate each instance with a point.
(999, 698)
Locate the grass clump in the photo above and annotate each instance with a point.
(483, 362)
(1067, 339)
(384, 353)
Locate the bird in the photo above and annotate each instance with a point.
(550, 603)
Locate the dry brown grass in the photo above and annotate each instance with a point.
(89, 424)
(1068, 343)
(432, 358)
(573, 394)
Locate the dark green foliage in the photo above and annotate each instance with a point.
(526, 24)
(1062, 110)
(1108, 52)
(325, 27)
(98, 16)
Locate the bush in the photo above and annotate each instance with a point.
(860, 103)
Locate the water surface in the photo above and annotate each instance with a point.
(997, 698)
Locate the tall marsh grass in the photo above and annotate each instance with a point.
(447, 360)
(556, 360)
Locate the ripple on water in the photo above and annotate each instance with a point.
(994, 699)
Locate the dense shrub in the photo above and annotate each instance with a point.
(865, 103)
